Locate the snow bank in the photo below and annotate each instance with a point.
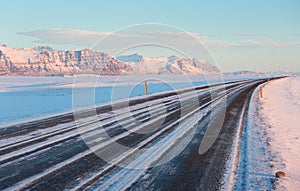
(281, 112)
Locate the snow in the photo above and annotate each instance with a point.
(152, 65)
(269, 141)
(228, 181)
(167, 65)
(281, 111)
(27, 98)
(254, 170)
(18, 55)
(47, 61)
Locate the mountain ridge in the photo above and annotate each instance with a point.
(44, 60)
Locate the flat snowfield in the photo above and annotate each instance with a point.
(26, 98)
(281, 110)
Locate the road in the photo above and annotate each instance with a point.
(59, 152)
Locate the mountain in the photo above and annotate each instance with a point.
(44, 60)
(243, 73)
(168, 65)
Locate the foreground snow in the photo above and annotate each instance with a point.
(269, 142)
(281, 112)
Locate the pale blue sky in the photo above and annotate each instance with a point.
(267, 32)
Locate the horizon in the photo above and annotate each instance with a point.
(158, 56)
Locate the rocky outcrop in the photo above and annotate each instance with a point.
(280, 174)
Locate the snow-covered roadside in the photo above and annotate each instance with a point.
(281, 113)
(269, 142)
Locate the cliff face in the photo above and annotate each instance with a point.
(46, 61)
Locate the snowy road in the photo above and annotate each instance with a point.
(59, 153)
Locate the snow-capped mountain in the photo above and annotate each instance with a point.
(167, 65)
(47, 61)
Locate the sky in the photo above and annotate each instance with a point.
(240, 35)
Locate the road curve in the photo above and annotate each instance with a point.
(59, 152)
